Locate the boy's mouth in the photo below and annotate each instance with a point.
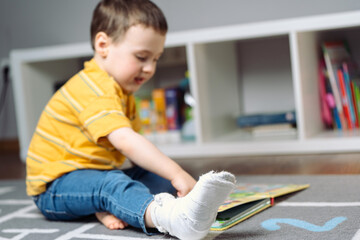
(139, 80)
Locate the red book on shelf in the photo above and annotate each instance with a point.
(344, 98)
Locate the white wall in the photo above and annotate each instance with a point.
(35, 23)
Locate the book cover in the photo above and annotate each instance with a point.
(248, 199)
(253, 120)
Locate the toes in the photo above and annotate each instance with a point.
(117, 225)
(110, 221)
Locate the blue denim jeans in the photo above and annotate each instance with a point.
(126, 194)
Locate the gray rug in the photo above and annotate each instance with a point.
(329, 209)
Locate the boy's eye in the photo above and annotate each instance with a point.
(141, 58)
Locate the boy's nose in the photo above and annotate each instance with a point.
(149, 67)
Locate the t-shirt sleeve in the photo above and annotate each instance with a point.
(103, 116)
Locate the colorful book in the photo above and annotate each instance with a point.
(248, 199)
(253, 120)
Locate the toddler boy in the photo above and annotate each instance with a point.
(89, 127)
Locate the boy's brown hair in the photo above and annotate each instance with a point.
(115, 17)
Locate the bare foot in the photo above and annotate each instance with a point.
(110, 221)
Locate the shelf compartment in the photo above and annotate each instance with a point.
(242, 77)
(307, 44)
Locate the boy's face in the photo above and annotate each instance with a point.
(131, 61)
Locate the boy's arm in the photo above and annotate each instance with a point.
(144, 154)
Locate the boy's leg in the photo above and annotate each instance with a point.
(189, 217)
(85, 192)
(153, 182)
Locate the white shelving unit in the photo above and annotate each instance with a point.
(239, 69)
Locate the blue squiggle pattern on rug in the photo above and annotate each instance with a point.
(272, 224)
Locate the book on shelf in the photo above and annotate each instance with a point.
(145, 113)
(349, 97)
(344, 100)
(162, 114)
(356, 91)
(329, 115)
(158, 97)
(252, 120)
(174, 105)
(351, 78)
(342, 74)
(247, 200)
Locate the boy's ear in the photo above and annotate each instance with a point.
(102, 42)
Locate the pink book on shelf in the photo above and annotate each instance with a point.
(326, 113)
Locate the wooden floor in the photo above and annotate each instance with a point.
(348, 163)
(13, 168)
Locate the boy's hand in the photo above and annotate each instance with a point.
(183, 183)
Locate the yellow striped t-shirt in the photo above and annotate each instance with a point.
(72, 129)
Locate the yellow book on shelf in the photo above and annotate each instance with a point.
(158, 96)
(145, 115)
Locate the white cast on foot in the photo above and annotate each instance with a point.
(191, 217)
